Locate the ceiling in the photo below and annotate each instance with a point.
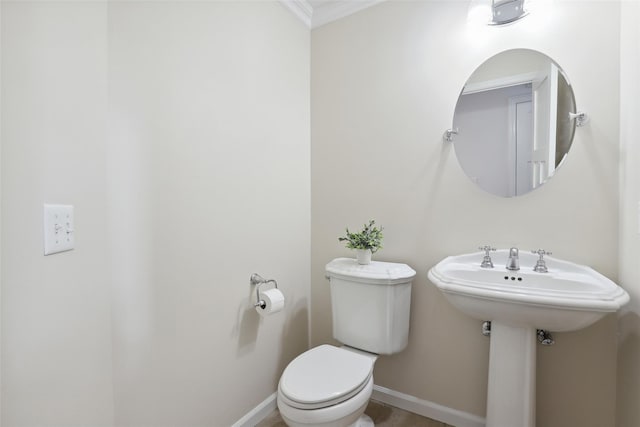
(315, 13)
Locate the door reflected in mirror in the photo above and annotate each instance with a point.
(512, 119)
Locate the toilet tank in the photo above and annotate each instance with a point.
(370, 304)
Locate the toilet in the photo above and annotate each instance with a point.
(330, 386)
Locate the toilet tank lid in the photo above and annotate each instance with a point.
(378, 272)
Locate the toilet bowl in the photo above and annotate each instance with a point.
(327, 386)
(330, 386)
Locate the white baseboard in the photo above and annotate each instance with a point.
(258, 413)
(407, 402)
(427, 409)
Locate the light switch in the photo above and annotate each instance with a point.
(58, 228)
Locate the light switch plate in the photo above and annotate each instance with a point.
(58, 228)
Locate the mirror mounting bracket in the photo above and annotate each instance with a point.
(580, 118)
(448, 134)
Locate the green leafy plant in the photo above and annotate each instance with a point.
(369, 238)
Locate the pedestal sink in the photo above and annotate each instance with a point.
(566, 298)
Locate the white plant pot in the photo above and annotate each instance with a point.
(364, 256)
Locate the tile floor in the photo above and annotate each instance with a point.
(382, 415)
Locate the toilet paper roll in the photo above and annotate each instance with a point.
(273, 302)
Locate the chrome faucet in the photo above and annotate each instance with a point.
(513, 263)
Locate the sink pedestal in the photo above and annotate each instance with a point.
(512, 376)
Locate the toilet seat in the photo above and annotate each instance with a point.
(324, 376)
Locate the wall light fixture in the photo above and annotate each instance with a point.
(507, 11)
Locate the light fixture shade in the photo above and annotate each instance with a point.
(506, 11)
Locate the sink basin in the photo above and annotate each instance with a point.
(566, 298)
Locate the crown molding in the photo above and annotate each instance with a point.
(300, 8)
(334, 10)
(323, 13)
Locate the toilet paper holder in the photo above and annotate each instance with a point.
(258, 281)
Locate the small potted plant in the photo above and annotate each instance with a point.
(365, 242)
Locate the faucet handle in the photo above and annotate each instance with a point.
(487, 249)
(486, 261)
(541, 252)
(541, 266)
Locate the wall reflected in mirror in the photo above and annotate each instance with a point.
(512, 119)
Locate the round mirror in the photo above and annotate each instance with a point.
(512, 122)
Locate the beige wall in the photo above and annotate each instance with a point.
(209, 173)
(628, 411)
(56, 320)
(0, 215)
(180, 132)
(384, 86)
